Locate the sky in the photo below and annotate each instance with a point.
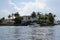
(26, 7)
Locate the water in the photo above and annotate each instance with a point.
(29, 33)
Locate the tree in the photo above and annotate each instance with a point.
(54, 15)
(51, 18)
(17, 20)
(39, 15)
(46, 14)
(33, 15)
(9, 16)
(16, 14)
(2, 20)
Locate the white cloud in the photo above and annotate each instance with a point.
(13, 4)
(41, 1)
(29, 6)
(4, 12)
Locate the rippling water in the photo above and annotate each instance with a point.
(29, 33)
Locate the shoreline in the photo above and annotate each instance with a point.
(24, 25)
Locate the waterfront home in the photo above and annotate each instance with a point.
(43, 19)
(9, 20)
(24, 18)
(6, 21)
(28, 18)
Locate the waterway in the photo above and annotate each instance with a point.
(30, 33)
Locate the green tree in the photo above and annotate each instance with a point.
(39, 17)
(38, 14)
(17, 20)
(46, 15)
(16, 14)
(2, 20)
(51, 18)
(9, 16)
(33, 15)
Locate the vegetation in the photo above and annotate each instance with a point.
(51, 18)
(9, 16)
(16, 14)
(2, 20)
(41, 19)
(33, 15)
(17, 20)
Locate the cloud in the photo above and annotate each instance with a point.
(29, 6)
(4, 12)
(13, 4)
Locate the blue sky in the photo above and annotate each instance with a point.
(26, 7)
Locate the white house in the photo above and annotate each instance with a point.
(28, 18)
(8, 21)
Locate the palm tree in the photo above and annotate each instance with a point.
(3, 18)
(18, 20)
(39, 15)
(33, 15)
(16, 14)
(51, 18)
(9, 16)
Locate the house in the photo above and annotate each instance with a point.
(28, 18)
(6, 21)
(24, 19)
(9, 20)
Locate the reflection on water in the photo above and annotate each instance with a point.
(27, 33)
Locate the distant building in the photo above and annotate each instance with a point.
(28, 18)
(9, 20)
(6, 21)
